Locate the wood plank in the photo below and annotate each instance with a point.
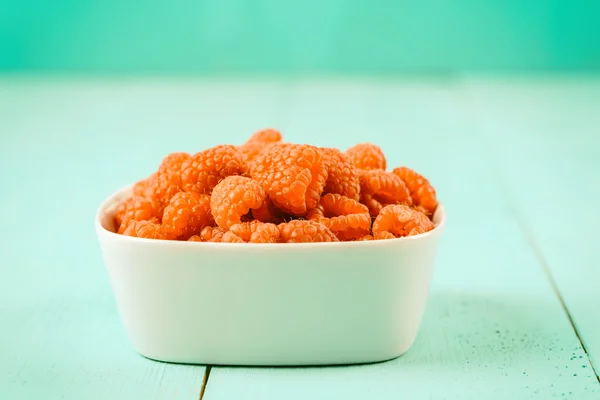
(64, 146)
(553, 179)
(493, 328)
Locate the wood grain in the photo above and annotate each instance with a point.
(64, 146)
(494, 328)
(546, 137)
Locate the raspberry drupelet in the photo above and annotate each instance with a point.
(294, 177)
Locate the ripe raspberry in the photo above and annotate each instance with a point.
(400, 220)
(146, 187)
(343, 175)
(300, 231)
(364, 238)
(187, 214)
(211, 234)
(266, 233)
(256, 232)
(148, 229)
(380, 188)
(233, 198)
(346, 218)
(371, 203)
(383, 236)
(421, 191)
(424, 211)
(294, 176)
(136, 208)
(194, 238)
(168, 177)
(204, 170)
(230, 237)
(367, 156)
(268, 135)
(258, 142)
(268, 212)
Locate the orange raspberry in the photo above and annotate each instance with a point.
(168, 177)
(299, 231)
(187, 214)
(367, 156)
(294, 176)
(148, 229)
(211, 234)
(421, 191)
(346, 218)
(256, 232)
(380, 188)
(204, 170)
(400, 220)
(145, 187)
(364, 238)
(233, 198)
(383, 236)
(372, 204)
(268, 212)
(258, 142)
(342, 175)
(194, 238)
(230, 237)
(136, 208)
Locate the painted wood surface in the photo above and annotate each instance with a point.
(494, 327)
(546, 138)
(64, 146)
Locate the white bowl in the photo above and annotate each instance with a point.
(268, 304)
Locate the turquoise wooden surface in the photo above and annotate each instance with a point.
(512, 161)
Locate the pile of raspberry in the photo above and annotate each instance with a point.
(270, 191)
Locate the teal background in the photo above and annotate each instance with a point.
(271, 36)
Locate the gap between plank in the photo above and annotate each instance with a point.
(532, 241)
(524, 227)
(205, 381)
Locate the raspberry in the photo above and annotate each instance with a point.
(266, 233)
(145, 187)
(136, 208)
(211, 234)
(380, 188)
(148, 229)
(194, 238)
(367, 156)
(343, 176)
(423, 210)
(366, 237)
(383, 236)
(233, 197)
(372, 204)
(187, 214)
(265, 136)
(168, 177)
(257, 143)
(400, 220)
(294, 176)
(231, 237)
(256, 232)
(421, 191)
(346, 218)
(299, 231)
(268, 212)
(204, 170)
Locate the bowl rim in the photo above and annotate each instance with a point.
(122, 192)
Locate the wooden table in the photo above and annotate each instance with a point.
(513, 311)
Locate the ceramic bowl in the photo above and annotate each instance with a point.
(268, 304)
